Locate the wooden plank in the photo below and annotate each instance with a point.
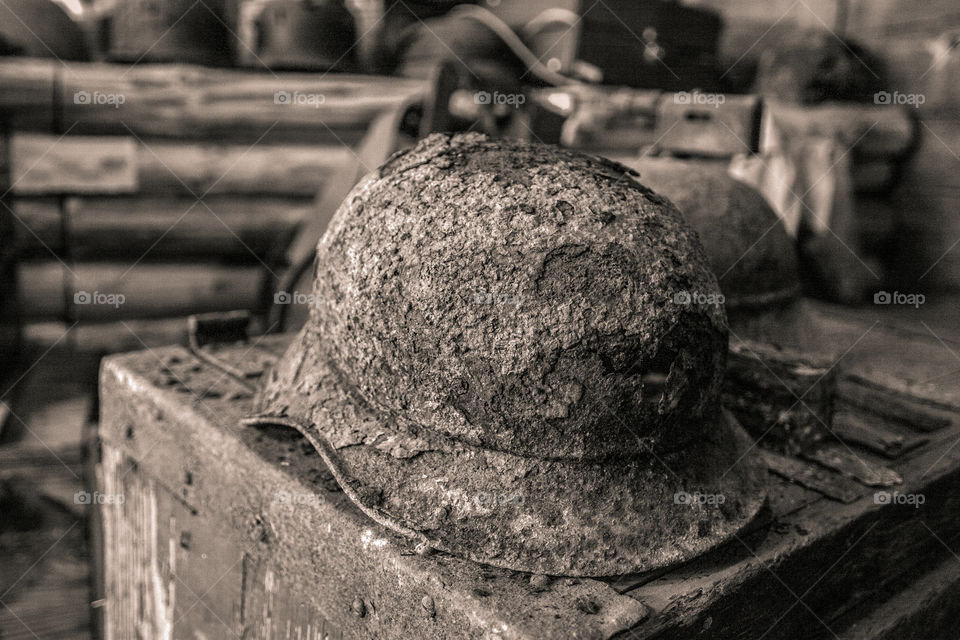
(919, 367)
(28, 93)
(44, 559)
(20, 459)
(214, 169)
(813, 477)
(125, 228)
(856, 465)
(107, 291)
(53, 601)
(271, 609)
(926, 609)
(183, 101)
(45, 164)
(869, 397)
(108, 337)
(39, 227)
(57, 422)
(764, 387)
(207, 577)
(43, 290)
(243, 230)
(834, 555)
(853, 428)
(138, 600)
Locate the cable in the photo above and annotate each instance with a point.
(513, 41)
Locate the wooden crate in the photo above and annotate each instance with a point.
(231, 530)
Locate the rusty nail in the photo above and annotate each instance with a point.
(428, 606)
(358, 607)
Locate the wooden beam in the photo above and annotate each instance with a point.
(183, 101)
(108, 291)
(45, 164)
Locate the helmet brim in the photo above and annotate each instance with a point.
(555, 517)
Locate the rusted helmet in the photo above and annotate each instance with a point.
(500, 363)
(306, 35)
(749, 251)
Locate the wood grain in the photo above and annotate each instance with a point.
(182, 101)
(113, 291)
(44, 164)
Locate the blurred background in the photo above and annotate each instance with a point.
(162, 158)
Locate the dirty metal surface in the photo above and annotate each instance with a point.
(321, 564)
(471, 287)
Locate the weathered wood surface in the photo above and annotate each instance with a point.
(762, 388)
(45, 164)
(853, 427)
(183, 101)
(44, 561)
(9, 321)
(117, 291)
(923, 610)
(108, 337)
(174, 429)
(239, 230)
(37, 229)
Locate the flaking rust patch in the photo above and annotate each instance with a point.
(415, 294)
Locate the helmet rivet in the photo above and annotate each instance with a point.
(428, 606)
(358, 607)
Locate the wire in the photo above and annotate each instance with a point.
(513, 41)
